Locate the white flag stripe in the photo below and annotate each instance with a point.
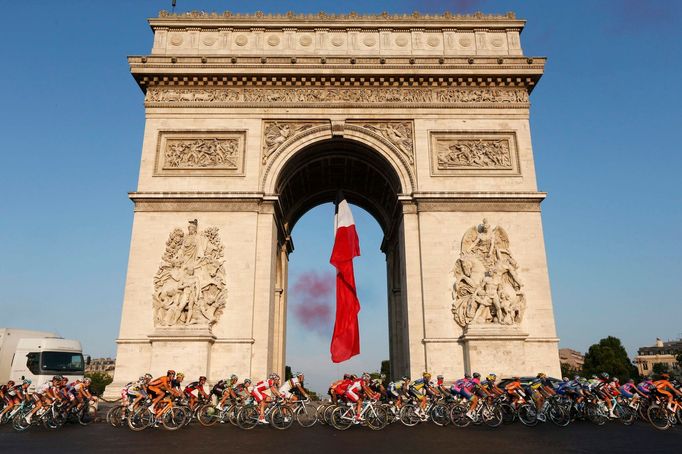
(343, 218)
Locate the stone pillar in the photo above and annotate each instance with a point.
(412, 295)
(189, 347)
(494, 348)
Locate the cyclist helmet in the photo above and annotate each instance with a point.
(274, 376)
(541, 375)
(631, 380)
(148, 376)
(233, 377)
(202, 378)
(353, 377)
(366, 377)
(605, 375)
(426, 376)
(87, 380)
(491, 377)
(26, 381)
(564, 379)
(477, 375)
(142, 378)
(247, 381)
(170, 372)
(439, 377)
(10, 383)
(405, 378)
(57, 378)
(346, 376)
(180, 376)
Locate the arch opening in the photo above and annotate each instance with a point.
(312, 176)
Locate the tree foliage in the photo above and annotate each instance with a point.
(610, 356)
(660, 368)
(568, 371)
(287, 372)
(100, 380)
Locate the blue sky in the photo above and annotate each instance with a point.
(605, 121)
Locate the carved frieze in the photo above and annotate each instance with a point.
(398, 133)
(189, 286)
(200, 153)
(278, 132)
(487, 288)
(345, 96)
(474, 153)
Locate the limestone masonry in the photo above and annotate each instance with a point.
(251, 120)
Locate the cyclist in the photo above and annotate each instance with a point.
(81, 392)
(224, 389)
(194, 390)
(398, 390)
(667, 389)
(515, 390)
(440, 387)
(377, 386)
(293, 388)
(602, 390)
(475, 390)
(259, 393)
(355, 392)
(11, 393)
(160, 387)
(630, 391)
(338, 389)
(490, 385)
(420, 388)
(458, 388)
(137, 391)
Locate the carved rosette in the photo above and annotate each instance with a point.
(398, 133)
(487, 288)
(189, 286)
(278, 133)
(346, 96)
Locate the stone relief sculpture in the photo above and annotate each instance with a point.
(398, 133)
(336, 95)
(473, 153)
(189, 287)
(202, 153)
(275, 133)
(487, 288)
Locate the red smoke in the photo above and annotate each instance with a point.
(312, 300)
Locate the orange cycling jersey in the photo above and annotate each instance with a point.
(513, 386)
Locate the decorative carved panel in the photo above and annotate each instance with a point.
(474, 153)
(200, 153)
(333, 96)
(189, 286)
(276, 133)
(487, 287)
(398, 133)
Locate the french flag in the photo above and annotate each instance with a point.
(346, 339)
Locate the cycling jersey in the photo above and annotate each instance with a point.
(396, 388)
(43, 388)
(219, 388)
(354, 390)
(341, 388)
(290, 387)
(258, 391)
(195, 385)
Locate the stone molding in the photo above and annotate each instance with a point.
(479, 205)
(496, 97)
(200, 153)
(396, 134)
(474, 153)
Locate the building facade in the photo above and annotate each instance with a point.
(252, 120)
(660, 353)
(571, 358)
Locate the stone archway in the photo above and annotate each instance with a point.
(311, 176)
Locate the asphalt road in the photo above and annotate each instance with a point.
(546, 438)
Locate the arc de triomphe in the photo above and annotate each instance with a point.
(251, 120)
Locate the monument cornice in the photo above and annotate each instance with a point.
(479, 201)
(322, 19)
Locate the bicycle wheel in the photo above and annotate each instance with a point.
(208, 415)
(232, 414)
(115, 416)
(596, 415)
(528, 415)
(508, 413)
(328, 414)
(642, 409)
(559, 416)
(140, 419)
(439, 414)
(491, 415)
(173, 418)
(342, 417)
(658, 417)
(306, 415)
(19, 422)
(626, 415)
(247, 417)
(86, 416)
(376, 417)
(281, 417)
(319, 411)
(409, 416)
(458, 416)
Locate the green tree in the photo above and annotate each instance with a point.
(100, 380)
(386, 369)
(660, 368)
(610, 356)
(568, 371)
(679, 360)
(287, 373)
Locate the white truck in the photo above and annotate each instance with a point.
(38, 356)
